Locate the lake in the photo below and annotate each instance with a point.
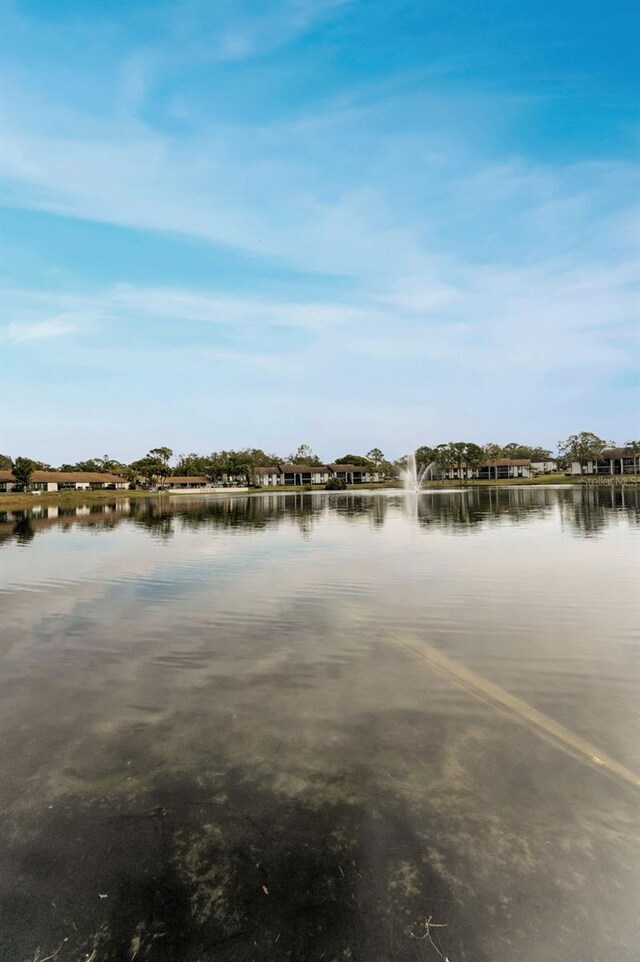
(354, 726)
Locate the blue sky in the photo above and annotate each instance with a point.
(344, 222)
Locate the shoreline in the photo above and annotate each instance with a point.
(19, 500)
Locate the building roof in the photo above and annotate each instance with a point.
(269, 469)
(303, 468)
(349, 467)
(63, 476)
(618, 453)
(498, 463)
(185, 479)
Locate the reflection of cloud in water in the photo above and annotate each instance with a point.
(206, 698)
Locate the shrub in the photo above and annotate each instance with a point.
(336, 484)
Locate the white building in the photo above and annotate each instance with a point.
(185, 482)
(500, 469)
(305, 474)
(612, 461)
(544, 466)
(43, 481)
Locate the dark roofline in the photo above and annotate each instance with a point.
(62, 476)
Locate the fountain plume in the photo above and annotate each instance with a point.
(412, 477)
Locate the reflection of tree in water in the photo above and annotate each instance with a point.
(455, 511)
(587, 509)
(163, 517)
(378, 513)
(353, 507)
(23, 529)
(155, 518)
(593, 509)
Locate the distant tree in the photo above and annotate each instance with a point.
(353, 459)
(538, 454)
(445, 456)
(304, 455)
(191, 464)
(238, 465)
(458, 451)
(261, 459)
(23, 468)
(473, 455)
(162, 454)
(515, 451)
(376, 457)
(94, 464)
(6, 463)
(155, 466)
(424, 456)
(492, 451)
(582, 447)
(512, 450)
(110, 465)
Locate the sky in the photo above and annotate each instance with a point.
(349, 223)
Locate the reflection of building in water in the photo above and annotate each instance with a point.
(589, 510)
(42, 517)
(592, 509)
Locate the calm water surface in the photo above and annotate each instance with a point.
(297, 727)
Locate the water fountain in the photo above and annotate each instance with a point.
(412, 478)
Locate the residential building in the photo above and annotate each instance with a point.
(185, 481)
(42, 481)
(497, 470)
(544, 466)
(611, 461)
(268, 477)
(353, 473)
(302, 474)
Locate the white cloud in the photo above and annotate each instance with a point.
(468, 267)
(42, 330)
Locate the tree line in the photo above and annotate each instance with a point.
(241, 464)
(582, 447)
(159, 463)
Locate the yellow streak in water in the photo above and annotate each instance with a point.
(487, 690)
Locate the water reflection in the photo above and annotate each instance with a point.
(216, 745)
(589, 511)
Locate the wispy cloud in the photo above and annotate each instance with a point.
(459, 259)
(42, 330)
